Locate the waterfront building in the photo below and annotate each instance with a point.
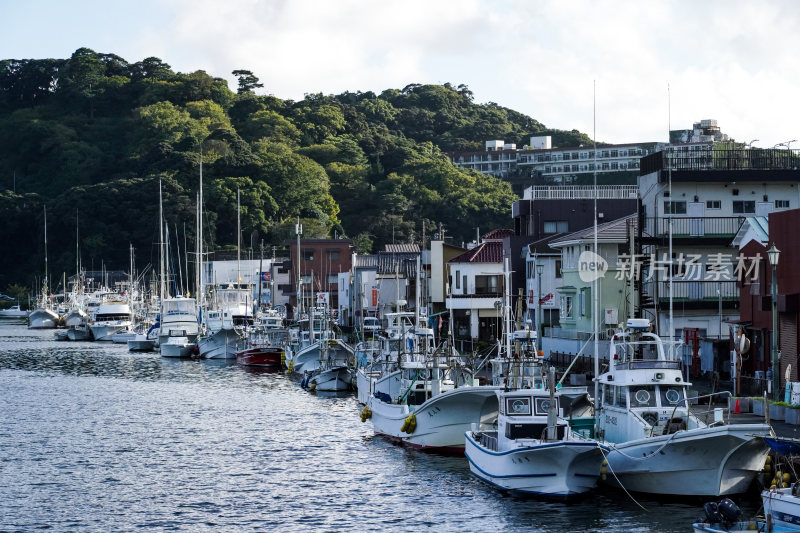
(321, 260)
(701, 196)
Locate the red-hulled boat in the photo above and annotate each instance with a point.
(261, 356)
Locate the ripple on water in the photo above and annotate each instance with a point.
(96, 438)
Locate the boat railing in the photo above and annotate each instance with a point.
(647, 364)
(712, 416)
(488, 440)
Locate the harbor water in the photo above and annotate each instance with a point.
(95, 438)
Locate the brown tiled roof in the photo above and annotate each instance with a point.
(498, 234)
(486, 252)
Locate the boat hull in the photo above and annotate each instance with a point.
(264, 356)
(106, 332)
(222, 344)
(43, 319)
(146, 345)
(714, 461)
(79, 334)
(178, 349)
(335, 379)
(563, 470)
(441, 420)
(782, 506)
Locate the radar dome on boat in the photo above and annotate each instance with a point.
(638, 324)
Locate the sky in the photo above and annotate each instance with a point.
(620, 71)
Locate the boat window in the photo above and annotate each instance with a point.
(518, 406)
(619, 399)
(672, 396)
(643, 396)
(542, 405)
(608, 396)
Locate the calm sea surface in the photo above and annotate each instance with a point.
(95, 438)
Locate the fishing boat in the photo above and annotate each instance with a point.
(658, 445)
(533, 449)
(43, 318)
(261, 356)
(782, 505)
(13, 312)
(226, 321)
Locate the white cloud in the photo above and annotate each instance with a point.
(732, 60)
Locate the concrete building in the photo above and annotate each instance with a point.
(321, 261)
(701, 197)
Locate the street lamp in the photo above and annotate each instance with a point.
(539, 270)
(774, 254)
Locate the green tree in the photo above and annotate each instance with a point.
(247, 81)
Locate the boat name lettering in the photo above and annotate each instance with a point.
(611, 420)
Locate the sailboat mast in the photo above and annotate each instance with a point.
(46, 285)
(77, 257)
(161, 260)
(200, 288)
(238, 237)
(671, 211)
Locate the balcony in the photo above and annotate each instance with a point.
(701, 294)
(723, 163)
(707, 229)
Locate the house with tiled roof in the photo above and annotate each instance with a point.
(476, 289)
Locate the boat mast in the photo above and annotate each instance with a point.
(671, 211)
(161, 264)
(298, 229)
(595, 283)
(238, 239)
(77, 259)
(45, 288)
(200, 285)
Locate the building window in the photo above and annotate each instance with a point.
(781, 204)
(741, 207)
(567, 312)
(556, 226)
(333, 255)
(713, 204)
(487, 284)
(614, 153)
(458, 279)
(678, 208)
(558, 268)
(333, 278)
(614, 165)
(308, 255)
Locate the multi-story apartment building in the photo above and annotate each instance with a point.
(321, 260)
(698, 197)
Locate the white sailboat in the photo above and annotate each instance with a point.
(44, 317)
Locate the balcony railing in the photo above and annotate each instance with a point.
(579, 192)
(721, 159)
(692, 227)
(694, 291)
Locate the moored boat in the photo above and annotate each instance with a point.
(13, 312)
(261, 356)
(658, 445)
(533, 449)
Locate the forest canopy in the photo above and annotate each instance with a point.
(91, 137)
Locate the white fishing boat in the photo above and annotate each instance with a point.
(658, 445)
(226, 321)
(13, 312)
(111, 317)
(75, 317)
(533, 449)
(43, 318)
(177, 345)
(782, 506)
